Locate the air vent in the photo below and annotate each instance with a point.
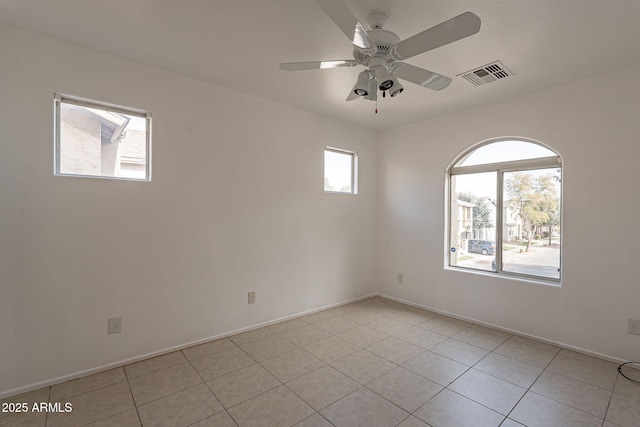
(486, 74)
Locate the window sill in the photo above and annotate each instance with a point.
(513, 277)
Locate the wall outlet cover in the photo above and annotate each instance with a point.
(114, 325)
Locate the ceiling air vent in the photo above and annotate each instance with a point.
(486, 74)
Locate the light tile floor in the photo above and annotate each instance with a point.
(371, 363)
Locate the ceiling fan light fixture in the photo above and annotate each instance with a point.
(385, 80)
(373, 89)
(362, 85)
(397, 92)
(396, 89)
(386, 85)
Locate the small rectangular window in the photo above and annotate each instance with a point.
(340, 171)
(99, 140)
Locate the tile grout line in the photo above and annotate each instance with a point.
(479, 403)
(348, 315)
(606, 412)
(91, 391)
(277, 379)
(259, 364)
(472, 367)
(343, 373)
(46, 417)
(175, 392)
(400, 366)
(534, 381)
(514, 359)
(132, 398)
(224, 409)
(611, 392)
(88, 391)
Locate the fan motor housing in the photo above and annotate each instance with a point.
(384, 41)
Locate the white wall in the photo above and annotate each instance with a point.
(594, 125)
(236, 204)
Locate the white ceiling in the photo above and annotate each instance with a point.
(239, 44)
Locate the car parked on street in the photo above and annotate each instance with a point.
(484, 247)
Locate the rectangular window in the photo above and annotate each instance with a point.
(340, 171)
(99, 140)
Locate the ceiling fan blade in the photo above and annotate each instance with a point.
(420, 76)
(342, 16)
(447, 32)
(317, 65)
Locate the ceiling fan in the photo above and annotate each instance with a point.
(381, 51)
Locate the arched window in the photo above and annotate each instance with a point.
(505, 210)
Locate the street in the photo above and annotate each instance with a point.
(540, 260)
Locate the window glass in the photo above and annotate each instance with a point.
(505, 151)
(93, 140)
(473, 220)
(532, 223)
(339, 171)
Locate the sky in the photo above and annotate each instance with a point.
(337, 168)
(505, 151)
(484, 184)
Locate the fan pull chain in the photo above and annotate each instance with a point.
(376, 105)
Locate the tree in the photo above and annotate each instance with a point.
(481, 212)
(536, 201)
(545, 186)
(327, 184)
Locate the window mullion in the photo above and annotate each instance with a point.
(354, 173)
(517, 165)
(56, 133)
(499, 224)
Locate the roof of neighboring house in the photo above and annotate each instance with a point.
(113, 123)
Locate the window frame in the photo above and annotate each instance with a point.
(500, 168)
(60, 98)
(354, 169)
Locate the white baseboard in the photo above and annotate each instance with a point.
(511, 331)
(76, 375)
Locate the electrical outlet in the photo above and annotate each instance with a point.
(115, 325)
(252, 297)
(634, 326)
(400, 278)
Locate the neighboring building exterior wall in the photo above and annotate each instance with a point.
(81, 151)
